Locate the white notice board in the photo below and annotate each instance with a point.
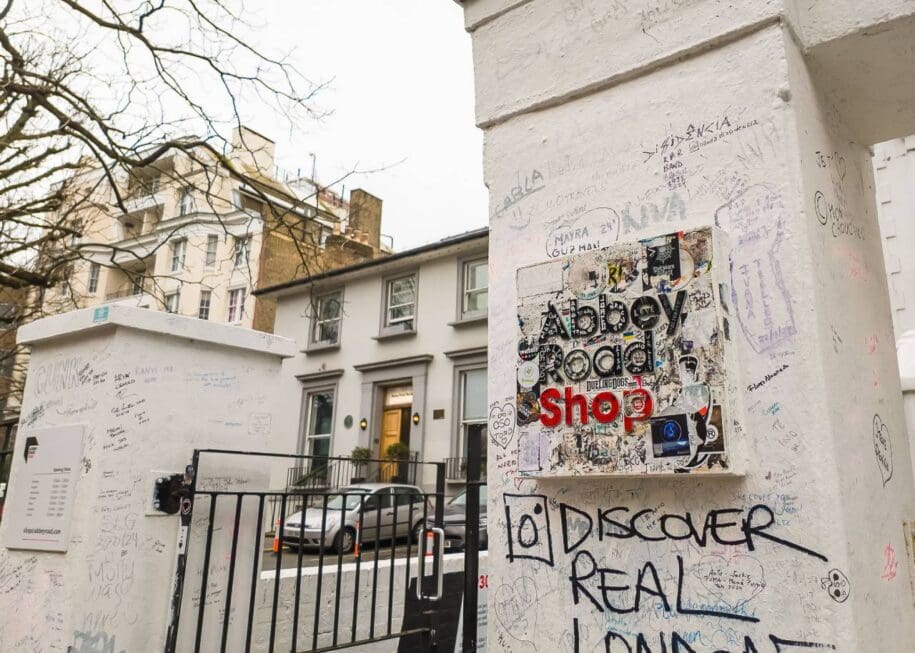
(40, 502)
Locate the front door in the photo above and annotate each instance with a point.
(390, 434)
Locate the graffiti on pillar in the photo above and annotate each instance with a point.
(883, 449)
(758, 291)
(622, 360)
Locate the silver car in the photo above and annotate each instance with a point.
(381, 511)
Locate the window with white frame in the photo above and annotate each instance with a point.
(212, 244)
(94, 269)
(319, 424)
(173, 301)
(242, 251)
(137, 284)
(7, 315)
(7, 363)
(186, 201)
(400, 303)
(236, 304)
(328, 314)
(179, 253)
(473, 409)
(203, 309)
(475, 288)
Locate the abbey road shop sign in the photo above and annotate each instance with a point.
(625, 360)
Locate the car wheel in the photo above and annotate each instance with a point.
(417, 532)
(345, 541)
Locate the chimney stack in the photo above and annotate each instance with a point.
(365, 216)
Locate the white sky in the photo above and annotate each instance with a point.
(401, 90)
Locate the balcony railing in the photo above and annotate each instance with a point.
(316, 474)
(456, 469)
(141, 199)
(126, 292)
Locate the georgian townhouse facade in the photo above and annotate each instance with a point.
(195, 241)
(390, 351)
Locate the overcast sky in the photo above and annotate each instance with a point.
(401, 95)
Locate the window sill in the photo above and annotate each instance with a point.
(394, 335)
(320, 348)
(469, 321)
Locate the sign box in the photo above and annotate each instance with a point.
(625, 360)
(40, 504)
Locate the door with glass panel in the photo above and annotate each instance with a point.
(473, 414)
(318, 430)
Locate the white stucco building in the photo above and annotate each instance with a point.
(390, 350)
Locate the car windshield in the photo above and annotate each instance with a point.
(461, 499)
(353, 498)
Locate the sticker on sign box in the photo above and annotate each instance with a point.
(626, 363)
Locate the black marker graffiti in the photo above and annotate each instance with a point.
(721, 525)
(527, 519)
(837, 585)
(883, 449)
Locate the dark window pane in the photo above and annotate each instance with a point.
(322, 412)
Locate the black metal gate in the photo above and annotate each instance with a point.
(7, 440)
(342, 563)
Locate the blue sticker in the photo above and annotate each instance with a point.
(100, 314)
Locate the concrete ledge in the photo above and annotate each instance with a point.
(178, 326)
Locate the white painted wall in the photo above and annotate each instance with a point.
(894, 172)
(809, 431)
(155, 386)
(362, 296)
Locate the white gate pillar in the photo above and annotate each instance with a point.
(608, 122)
(141, 390)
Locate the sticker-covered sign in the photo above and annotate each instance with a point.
(40, 505)
(625, 360)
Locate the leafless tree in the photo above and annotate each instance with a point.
(93, 92)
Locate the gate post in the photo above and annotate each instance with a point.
(187, 509)
(471, 544)
(628, 125)
(143, 383)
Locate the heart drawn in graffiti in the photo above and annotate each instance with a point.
(513, 604)
(735, 581)
(836, 583)
(502, 424)
(883, 449)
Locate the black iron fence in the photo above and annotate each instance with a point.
(7, 440)
(456, 468)
(344, 565)
(329, 472)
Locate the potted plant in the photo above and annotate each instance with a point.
(360, 457)
(399, 452)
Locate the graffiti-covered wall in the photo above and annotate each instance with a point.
(601, 144)
(138, 390)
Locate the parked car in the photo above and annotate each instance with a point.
(382, 511)
(454, 523)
